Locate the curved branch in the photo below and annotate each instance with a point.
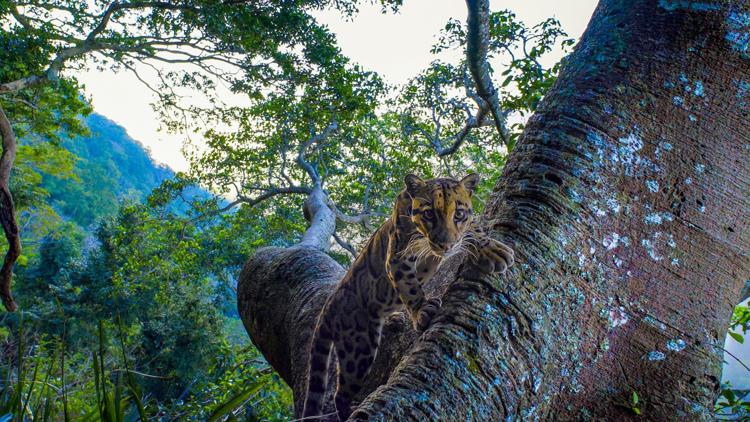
(104, 20)
(472, 122)
(271, 192)
(363, 218)
(345, 245)
(322, 221)
(7, 212)
(314, 139)
(556, 337)
(477, 45)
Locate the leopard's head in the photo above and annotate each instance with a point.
(441, 210)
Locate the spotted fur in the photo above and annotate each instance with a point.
(430, 220)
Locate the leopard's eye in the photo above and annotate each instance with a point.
(460, 215)
(429, 214)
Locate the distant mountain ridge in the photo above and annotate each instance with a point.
(109, 141)
(111, 167)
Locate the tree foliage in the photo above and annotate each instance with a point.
(156, 273)
(337, 125)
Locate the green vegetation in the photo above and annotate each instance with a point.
(110, 167)
(734, 404)
(132, 301)
(128, 273)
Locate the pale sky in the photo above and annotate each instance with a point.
(397, 46)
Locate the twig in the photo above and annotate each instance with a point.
(344, 244)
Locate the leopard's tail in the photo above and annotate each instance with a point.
(320, 356)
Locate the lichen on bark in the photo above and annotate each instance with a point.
(627, 203)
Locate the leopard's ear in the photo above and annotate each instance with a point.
(470, 182)
(413, 183)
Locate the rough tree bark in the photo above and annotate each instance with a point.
(477, 45)
(7, 212)
(628, 204)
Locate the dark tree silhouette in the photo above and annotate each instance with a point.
(628, 204)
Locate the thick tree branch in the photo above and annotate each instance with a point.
(301, 279)
(477, 45)
(53, 71)
(322, 221)
(22, 83)
(7, 212)
(631, 239)
(315, 139)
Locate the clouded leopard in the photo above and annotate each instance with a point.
(431, 219)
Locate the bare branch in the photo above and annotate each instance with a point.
(477, 44)
(271, 192)
(22, 83)
(143, 81)
(345, 245)
(472, 122)
(363, 218)
(314, 139)
(104, 20)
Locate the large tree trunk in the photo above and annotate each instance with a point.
(628, 204)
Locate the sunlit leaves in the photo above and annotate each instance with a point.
(381, 134)
(523, 79)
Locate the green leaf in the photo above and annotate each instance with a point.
(635, 398)
(236, 401)
(729, 395)
(737, 337)
(507, 81)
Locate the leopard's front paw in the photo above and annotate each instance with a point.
(425, 314)
(492, 257)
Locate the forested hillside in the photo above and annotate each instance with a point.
(110, 166)
(112, 263)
